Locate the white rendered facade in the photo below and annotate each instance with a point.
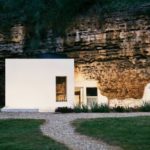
(31, 84)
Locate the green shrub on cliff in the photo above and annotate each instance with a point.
(40, 15)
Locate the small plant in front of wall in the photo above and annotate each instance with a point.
(81, 108)
(103, 108)
(99, 108)
(121, 109)
(77, 109)
(145, 107)
(64, 110)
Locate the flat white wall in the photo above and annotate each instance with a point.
(31, 83)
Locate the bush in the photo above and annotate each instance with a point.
(145, 107)
(99, 108)
(102, 108)
(122, 109)
(64, 110)
(79, 109)
(119, 109)
(85, 108)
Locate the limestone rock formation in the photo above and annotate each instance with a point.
(116, 54)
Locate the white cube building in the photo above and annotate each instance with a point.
(39, 84)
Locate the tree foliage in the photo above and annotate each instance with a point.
(40, 15)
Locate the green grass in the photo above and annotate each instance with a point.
(25, 135)
(129, 133)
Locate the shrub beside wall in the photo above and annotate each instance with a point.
(79, 109)
(96, 108)
(99, 108)
(145, 107)
(64, 110)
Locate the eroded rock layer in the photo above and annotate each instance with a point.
(116, 54)
(115, 51)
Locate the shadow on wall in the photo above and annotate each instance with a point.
(2, 88)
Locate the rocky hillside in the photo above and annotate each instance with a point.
(114, 51)
(117, 54)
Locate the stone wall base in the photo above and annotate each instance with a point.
(6, 109)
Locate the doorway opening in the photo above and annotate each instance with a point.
(78, 96)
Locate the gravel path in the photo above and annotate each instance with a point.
(58, 127)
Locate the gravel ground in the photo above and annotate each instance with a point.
(57, 126)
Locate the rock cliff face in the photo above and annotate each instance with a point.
(12, 45)
(116, 54)
(15, 42)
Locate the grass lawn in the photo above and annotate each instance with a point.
(128, 133)
(25, 135)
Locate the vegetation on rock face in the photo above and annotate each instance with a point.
(40, 15)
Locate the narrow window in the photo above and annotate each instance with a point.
(61, 89)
